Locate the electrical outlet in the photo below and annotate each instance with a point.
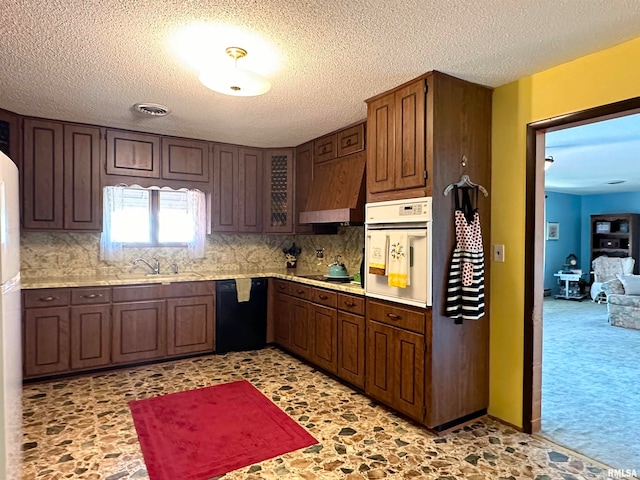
(498, 253)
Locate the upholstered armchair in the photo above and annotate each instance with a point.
(606, 268)
(623, 301)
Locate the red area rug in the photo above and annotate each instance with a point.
(199, 434)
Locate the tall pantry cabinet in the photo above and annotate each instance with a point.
(421, 137)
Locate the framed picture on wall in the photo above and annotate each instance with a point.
(553, 231)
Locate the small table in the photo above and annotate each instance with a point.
(569, 279)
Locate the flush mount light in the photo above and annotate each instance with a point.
(548, 162)
(151, 109)
(235, 81)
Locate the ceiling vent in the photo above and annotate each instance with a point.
(151, 109)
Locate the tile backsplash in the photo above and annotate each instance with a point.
(51, 254)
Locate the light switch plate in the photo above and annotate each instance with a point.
(498, 253)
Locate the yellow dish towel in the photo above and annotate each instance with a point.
(398, 260)
(243, 289)
(378, 253)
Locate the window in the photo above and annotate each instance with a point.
(136, 216)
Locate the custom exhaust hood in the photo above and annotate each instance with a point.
(337, 192)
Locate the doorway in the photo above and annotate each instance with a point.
(534, 246)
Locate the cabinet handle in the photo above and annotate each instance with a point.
(394, 316)
(322, 297)
(48, 299)
(92, 295)
(300, 291)
(282, 287)
(348, 142)
(324, 149)
(349, 304)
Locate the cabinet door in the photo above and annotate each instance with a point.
(10, 135)
(379, 365)
(135, 154)
(42, 179)
(46, 341)
(190, 325)
(410, 159)
(82, 198)
(225, 183)
(324, 338)
(282, 320)
(301, 321)
(184, 159)
(408, 369)
(279, 191)
(250, 170)
(90, 336)
(304, 179)
(351, 140)
(139, 331)
(325, 148)
(351, 341)
(381, 144)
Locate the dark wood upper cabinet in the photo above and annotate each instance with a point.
(350, 140)
(278, 217)
(325, 148)
(224, 214)
(133, 154)
(10, 135)
(43, 175)
(184, 159)
(381, 134)
(250, 184)
(82, 195)
(410, 157)
(304, 179)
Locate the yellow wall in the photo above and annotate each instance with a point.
(604, 77)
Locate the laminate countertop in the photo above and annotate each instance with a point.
(141, 279)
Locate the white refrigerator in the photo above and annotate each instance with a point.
(10, 323)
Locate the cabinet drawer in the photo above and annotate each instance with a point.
(282, 287)
(401, 317)
(351, 140)
(324, 148)
(87, 296)
(351, 303)
(324, 297)
(46, 297)
(137, 293)
(301, 291)
(189, 289)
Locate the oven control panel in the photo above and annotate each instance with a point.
(399, 211)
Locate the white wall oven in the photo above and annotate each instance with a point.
(406, 223)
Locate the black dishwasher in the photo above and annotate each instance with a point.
(241, 325)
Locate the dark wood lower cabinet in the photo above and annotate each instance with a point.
(282, 320)
(351, 348)
(46, 341)
(324, 338)
(395, 368)
(90, 336)
(301, 318)
(139, 331)
(190, 325)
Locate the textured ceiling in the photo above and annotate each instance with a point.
(587, 158)
(89, 61)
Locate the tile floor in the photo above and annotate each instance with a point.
(81, 428)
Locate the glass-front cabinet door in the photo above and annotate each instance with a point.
(279, 191)
(10, 135)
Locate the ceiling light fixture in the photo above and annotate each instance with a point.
(548, 162)
(235, 81)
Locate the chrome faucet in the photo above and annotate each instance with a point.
(154, 270)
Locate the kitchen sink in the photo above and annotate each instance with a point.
(160, 277)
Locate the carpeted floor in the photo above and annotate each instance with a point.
(591, 383)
